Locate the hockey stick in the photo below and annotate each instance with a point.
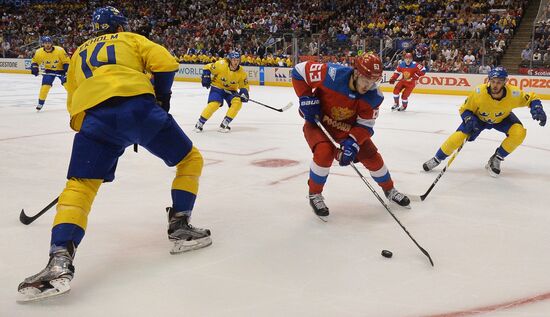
(320, 125)
(423, 197)
(285, 108)
(51, 74)
(26, 220)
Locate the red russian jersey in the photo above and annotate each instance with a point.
(344, 111)
(410, 73)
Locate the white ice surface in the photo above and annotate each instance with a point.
(271, 256)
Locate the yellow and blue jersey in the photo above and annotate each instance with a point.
(53, 60)
(114, 65)
(225, 78)
(494, 111)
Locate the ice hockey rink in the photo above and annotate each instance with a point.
(271, 256)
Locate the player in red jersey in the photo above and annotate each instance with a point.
(346, 101)
(409, 71)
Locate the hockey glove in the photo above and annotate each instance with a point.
(65, 69)
(163, 100)
(392, 81)
(206, 79)
(310, 108)
(34, 69)
(537, 112)
(349, 149)
(244, 94)
(471, 123)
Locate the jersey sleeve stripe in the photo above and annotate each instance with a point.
(299, 71)
(369, 123)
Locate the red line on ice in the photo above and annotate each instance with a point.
(496, 307)
(241, 154)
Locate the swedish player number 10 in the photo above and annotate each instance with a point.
(111, 58)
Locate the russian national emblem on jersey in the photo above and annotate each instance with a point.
(341, 113)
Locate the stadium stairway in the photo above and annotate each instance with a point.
(512, 56)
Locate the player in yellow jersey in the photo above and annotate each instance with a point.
(113, 104)
(230, 83)
(490, 106)
(55, 62)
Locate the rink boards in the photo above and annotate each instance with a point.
(431, 83)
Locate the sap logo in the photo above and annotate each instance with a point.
(332, 73)
(278, 75)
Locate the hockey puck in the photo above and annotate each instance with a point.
(387, 254)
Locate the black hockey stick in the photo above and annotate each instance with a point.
(26, 220)
(423, 197)
(320, 125)
(285, 108)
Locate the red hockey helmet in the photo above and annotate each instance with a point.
(369, 65)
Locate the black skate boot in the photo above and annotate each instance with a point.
(198, 127)
(317, 202)
(52, 281)
(493, 166)
(224, 126)
(185, 236)
(395, 107)
(394, 196)
(431, 164)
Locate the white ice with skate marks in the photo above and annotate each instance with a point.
(270, 255)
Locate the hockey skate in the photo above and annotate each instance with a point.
(198, 127)
(493, 166)
(402, 108)
(224, 126)
(317, 202)
(395, 107)
(396, 197)
(52, 281)
(185, 236)
(39, 107)
(431, 164)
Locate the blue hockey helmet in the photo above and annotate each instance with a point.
(107, 20)
(46, 39)
(234, 54)
(498, 72)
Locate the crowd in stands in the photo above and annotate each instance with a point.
(446, 36)
(537, 54)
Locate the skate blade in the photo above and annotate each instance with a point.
(393, 203)
(197, 130)
(490, 171)
(182, 246)
(222, 130)
(33, 294)
(323, 218)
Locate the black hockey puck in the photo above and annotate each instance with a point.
(387, 254)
